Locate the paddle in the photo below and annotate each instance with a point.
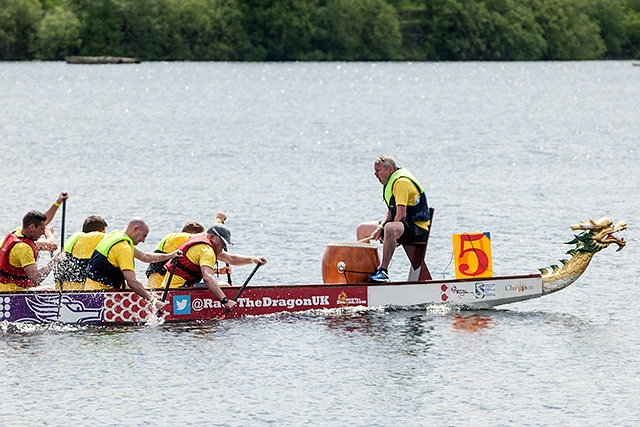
(64, 216)
(228, 273)
(244, 285)
(166, 288)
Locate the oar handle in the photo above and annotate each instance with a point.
(228, 269)
(64, 215)
(166, 288)
(228, 273)
(244, 285)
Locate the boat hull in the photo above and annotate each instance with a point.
(184, 305)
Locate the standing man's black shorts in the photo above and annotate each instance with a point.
(412, 233)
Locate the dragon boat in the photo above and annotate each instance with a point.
(344, 287)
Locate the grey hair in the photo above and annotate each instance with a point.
(387, 161)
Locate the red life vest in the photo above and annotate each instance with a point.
(9, 273)
(186, 268)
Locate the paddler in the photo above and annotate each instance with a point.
(19, 255)
(71, 271)
(112, 263)
(407, 219)
(156, 271)
(198, 261)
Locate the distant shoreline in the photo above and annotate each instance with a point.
(101, 60)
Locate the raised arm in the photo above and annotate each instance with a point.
(48, 242)
(51, 212)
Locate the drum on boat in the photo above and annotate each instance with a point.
(349, 262)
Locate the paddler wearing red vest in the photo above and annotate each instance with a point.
(407, 219)
(199, 259)
(19, 255)
(157, 271)
(112, 263)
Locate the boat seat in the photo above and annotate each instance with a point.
(416, 251)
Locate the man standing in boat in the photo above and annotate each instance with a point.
(112, 263)
(198, 261)
(407, 219)
(19, 255)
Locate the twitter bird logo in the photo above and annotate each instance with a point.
(182, 304)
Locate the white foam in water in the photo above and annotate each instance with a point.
(153, 320)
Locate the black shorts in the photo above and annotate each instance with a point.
(412, 233)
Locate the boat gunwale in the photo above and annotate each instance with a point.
(293, 285)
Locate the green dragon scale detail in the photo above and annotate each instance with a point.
(596, 236)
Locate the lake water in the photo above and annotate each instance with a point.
(521, 150)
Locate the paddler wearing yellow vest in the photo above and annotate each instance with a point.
(407, 218)
(157, 271)
(71, 271)
(112, 263)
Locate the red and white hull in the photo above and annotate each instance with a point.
(124, 306)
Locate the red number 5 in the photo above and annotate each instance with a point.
(481, 256)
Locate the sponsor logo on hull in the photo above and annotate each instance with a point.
(346, 301)
(315, 301)
(201, 304)
(181, 304)
(483, 290)
(518, 287)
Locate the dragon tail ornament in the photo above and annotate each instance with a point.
(595, 236)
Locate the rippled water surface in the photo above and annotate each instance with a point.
(522, 150)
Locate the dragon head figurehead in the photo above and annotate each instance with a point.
(595, 236)
(598, 235)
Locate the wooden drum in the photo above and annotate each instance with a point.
(349, 262)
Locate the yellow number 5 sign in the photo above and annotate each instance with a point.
(472, 253)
